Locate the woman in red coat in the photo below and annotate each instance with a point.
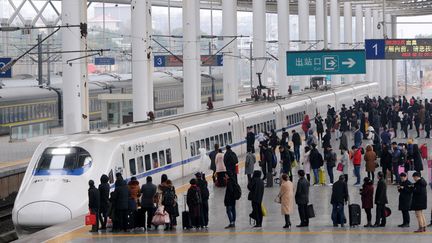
(367, 192)
(306, 125)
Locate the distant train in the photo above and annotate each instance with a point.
(31, 104)
(54, 188)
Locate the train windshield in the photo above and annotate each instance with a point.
(64, 161)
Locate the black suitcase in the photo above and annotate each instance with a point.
(139, 218)
(354, 211)
(186, 220)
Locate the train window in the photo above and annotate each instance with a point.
(221, 140)
(168, 156)
(162, 158)
(202, 144)
(269, 127)
(132, 166)
(255, 129)
(274, 124)
(258, 128)
(111, 176)
(229, 138)
(1, 116)
(70, 159)
(226, 138)
(140, 163)
(217, 140)
(212, 142)
(207, 143)
(197, 147)
(155, 160)
(147, 162)
(192, 149)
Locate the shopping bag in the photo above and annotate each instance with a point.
(310, 211)
(237, 170)
(90, 219)
(294, 164)
(321, 176)
(264, 210)
(340, 167)
(401, 169)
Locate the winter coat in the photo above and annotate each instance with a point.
(250, 139)
(286, 195)
(306, 162)
(286, 161)
(212, 156)
(316, 159)
(405, 195)
(343, 143)
(256, 189)
(250, 163)
(296, 139)
(367, 195)
(193, 199)
(385, 137)
(339, 192)
(370, 158)
(326, 140)
(319, 125)
(330, 158)
(417, 161)
(121, 195)
(358, 137)
(148, 192)
(419, 196)
(104, 190)
(302, 192)
(94, 198)
(229, 199)
(134, 190)
(230, 161)
(219, 161)
(306, 124)
(381, 193)
(267, 161)
(356, 157)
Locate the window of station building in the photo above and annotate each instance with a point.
(155, 160)
(162, 158)
(147, 162)
(132, 166)
(140, 163)
(168, 156)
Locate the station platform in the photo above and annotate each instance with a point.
(320, 230)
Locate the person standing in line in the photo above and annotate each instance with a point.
(319, 126)
(286, 160)
(356, 159)
(386, 162)
(371, 164)
(339, 197)
(302, 199)
(380, 201)
(284, 138)
(168, 198)
(405, 198)
(120, 200)
(230, 200)
(134, 194)
(396, 157)
(249, 164)
(306, 125)
(366, 193)
(212, 156)
(358, 137)
(256, 194)
(194, 200)
(419, 201)
(205, 195)
(250, 139)
(345, 162)
(94, 204)
(148, 193)
(220, 168)
(286, 199)
(343, 143)
(104, 190)
(316, 161)
(330, 158)
(296, 140)
(231, 161)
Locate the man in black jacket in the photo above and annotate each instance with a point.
(296, 140)
(230, 200)
(205, 195)
(212, 156)
(120, 199)
(256, 193)
(405, 197)
(302, 199)
(380, 201)
(286, 160)
(148, 192)
(250, 139)
(94, 203)
(231, 161)
(267, 164)
(338, 198)
(104, 190)
(316, 161)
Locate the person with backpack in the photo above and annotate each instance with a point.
(330, 158)
(168, 199)
(286, 160)
(316, 161)
(249, 164)
(232, 194)
(205, 195)
(104, 190)
(220, 169)
(256, 194)
(286, 199)
(194, 201)
(230, 161)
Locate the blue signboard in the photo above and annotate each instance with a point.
(8, 73)
(159, 61)
(175, 61)
(104, 61)
(326, 62)
(375, 49)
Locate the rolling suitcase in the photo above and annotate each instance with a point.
(321, 176)
(186, 220)
(354, 211)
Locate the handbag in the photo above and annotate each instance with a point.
(310, 211)
(263, 210)
(90, 219)
(237, 170)
(160, 216)
(340, 167)
(294, 164)
(277, 199)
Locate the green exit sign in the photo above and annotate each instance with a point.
(326, 62)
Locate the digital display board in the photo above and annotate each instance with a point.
(172, 61)
(408, 49)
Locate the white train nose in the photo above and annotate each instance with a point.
(42, 214)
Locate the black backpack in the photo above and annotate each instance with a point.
(237, 191)
(168, 198)
(205, 194)
(402, 158)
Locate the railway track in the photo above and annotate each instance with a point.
(7, 230)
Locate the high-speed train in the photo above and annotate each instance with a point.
(22, 102)
(54, 188)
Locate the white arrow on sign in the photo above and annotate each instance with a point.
(2, 64)
(332, 63)
(350, 62)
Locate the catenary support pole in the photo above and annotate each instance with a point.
(369, 35)
(303, 15)
(359, 32)
(259, 40)
(283, 45)
(348, 33)
(376, 63)
(389, 63)
(335, 33)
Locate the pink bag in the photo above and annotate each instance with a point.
(160, 217)
(401, 169)
(340, 167)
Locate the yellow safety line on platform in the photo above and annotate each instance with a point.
(13, 163)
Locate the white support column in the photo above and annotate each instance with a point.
(230, 63)
(389, 63)
(320, 23)
(383, 63)
(335, 33)
(376, 63)
(191, 56)
(259, 40)
(369, 35)
(348, 32)
(283, 45)
(75, 89)
(142, 55)
(303, 15)
(394, 62)
(359, 31)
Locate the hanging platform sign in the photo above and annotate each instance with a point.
(398, 49)
(173, 61)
